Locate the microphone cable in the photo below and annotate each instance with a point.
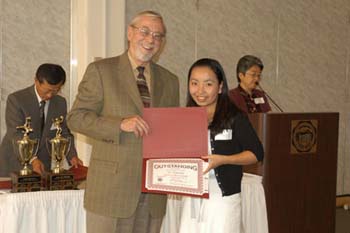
(269, 97)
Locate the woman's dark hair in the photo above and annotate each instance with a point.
(246, 62)
(225, 111)
(52, 73)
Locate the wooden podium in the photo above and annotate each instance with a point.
(299, 170)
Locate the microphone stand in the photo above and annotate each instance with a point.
(269, 97)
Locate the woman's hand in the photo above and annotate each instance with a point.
(243, 158)
(214, 161)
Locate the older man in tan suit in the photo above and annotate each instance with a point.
(108, 108)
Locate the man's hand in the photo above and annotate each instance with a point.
(38, 166)
(136, 125)
(75, 162)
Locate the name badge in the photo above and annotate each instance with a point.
(259, 100)
(226, 134)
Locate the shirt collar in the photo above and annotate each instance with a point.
(244, 93)
(38, 96)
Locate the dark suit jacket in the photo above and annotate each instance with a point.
(107, 94)
(22, 104)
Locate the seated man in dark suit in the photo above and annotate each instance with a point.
(40, 102)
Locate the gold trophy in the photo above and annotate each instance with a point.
(25, 148)
(59, 147)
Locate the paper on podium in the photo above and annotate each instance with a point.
(172, 151)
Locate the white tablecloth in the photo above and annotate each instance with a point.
(43, 212)
(63, 211)
(254, 215)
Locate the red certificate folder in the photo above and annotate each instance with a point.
(175, 133)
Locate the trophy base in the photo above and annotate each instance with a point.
(60, 181)
(25, 183)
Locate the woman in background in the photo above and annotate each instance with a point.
(246, 96)
(232, 143)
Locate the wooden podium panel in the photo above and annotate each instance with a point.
(299, 170)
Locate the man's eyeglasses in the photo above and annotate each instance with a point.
(255, 75)
(144, 31)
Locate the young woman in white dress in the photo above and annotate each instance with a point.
(232, 143)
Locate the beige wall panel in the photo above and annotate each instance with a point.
(312, 55)
(312, 71)
(345, 174)
(33, 32)
(228, 30)
(2, 103)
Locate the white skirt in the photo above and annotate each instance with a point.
(217, 214)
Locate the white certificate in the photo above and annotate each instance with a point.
(182, 175)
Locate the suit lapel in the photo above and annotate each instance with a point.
(128, 81)
(32, 100)
(157, 86)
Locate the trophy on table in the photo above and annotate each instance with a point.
(58, 147)
(25, 149)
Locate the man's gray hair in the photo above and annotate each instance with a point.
(148, 13)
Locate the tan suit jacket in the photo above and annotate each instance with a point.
(107, 94)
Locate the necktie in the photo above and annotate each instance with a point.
(143, 88)
(42, 115)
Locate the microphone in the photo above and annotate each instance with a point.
(269, 97)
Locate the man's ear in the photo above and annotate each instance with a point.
(129, 32)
